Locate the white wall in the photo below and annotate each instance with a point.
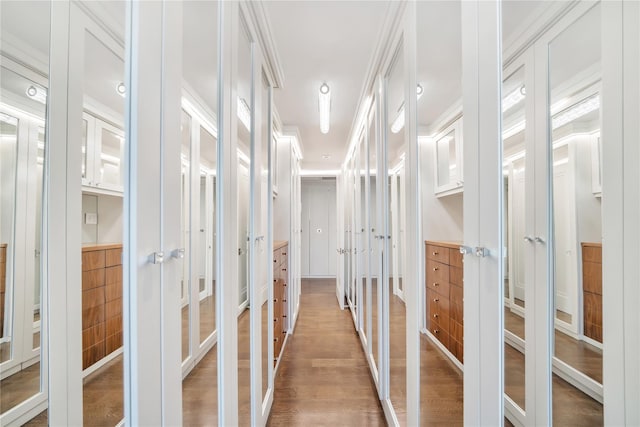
(109, 227)
(441, 217)
(319, 227)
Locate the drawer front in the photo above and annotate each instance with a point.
(437, 272)
(438, 286)
(455, 257)
(276, 259)
(592, 277)
(592, 309)
(456, 331)
(438, 310)
(593, 331)
(113, 257)
(93, 260)
(456, 294)
(93, 279)
(592, 254)
(441, 335)
(456, 312)
(455, 275)
(438, 253)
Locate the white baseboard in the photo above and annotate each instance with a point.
(100, 363)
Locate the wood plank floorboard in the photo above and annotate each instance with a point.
(323, 378)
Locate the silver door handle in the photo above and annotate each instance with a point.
(465, 250)
(482, 252)
(178, 253)
(528, 239)
(156, 258)
(539, 240)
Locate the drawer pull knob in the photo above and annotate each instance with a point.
(436, 299)
(284, 253)
(284, 269)
(435, 268)
(435, 316)
(435, 252)
(436, 284)
(436, 331)
(275, 260)
(284, 300)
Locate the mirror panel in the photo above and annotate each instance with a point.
(393, 148)
(373, 266)
(207, 235)
(103, 104)
(439, 120)
(23, 104)
(514, 133)
(200, 150)
(244, 111)
(575, 112)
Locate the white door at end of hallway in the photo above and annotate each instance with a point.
(319, 228)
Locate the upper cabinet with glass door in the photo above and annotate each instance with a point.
(102, 155)
(448, 168)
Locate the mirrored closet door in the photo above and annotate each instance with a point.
(441, 150)
(200, 187)
(574, 169)
(388, 155)
(23, 146)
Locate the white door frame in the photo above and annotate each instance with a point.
(153, 380)
(483, 291)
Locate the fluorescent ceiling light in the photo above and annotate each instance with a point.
(398, 123)
(121, 89)
(37, 94)
(324, 107)
(244, 113)
(513, 98)
(514, 130)
(576, 111)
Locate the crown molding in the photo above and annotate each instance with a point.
(264, 36)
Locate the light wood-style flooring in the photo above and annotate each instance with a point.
(323, 379)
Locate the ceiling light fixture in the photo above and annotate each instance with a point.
(398, 123)
(513, 98)
(576, 111)
(244, 113)
(326, 156)
(121, 89)
(37, 94)
(324, 106)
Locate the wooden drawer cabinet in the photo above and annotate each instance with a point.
(101, 302)
(592, 290)
(280, 296)
(444, 293)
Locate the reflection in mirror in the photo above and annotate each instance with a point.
(103, 72)
(439, 116)
(360, 227)
(185, 226)
(265, 255)
(514, 155)
(206, 264)
(397, 311)
(199, 132)
(244, 102)
(373, 266)
(23, 101)
(574, 79)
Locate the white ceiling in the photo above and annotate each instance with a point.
(323, 41)
(317, 41)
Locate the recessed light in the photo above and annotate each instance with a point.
(37, 94)
(326, 156)
(121, 89)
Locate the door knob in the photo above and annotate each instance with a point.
(528, 239)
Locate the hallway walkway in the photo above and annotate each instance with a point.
(324, 379)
